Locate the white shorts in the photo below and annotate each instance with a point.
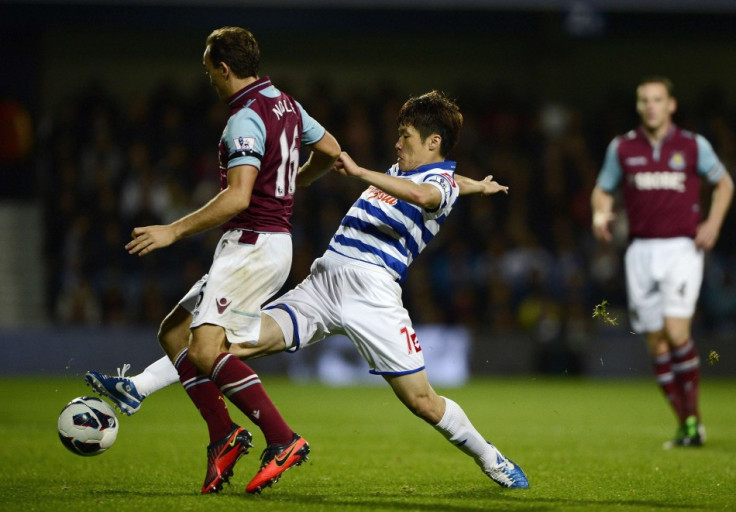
(359, 300)
(663, 279)
(248, 268)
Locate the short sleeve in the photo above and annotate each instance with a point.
(709, 166)
(244, 139)
(447, 186)
(611, 172)
(312, 131)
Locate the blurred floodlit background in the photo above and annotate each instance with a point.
(107, 122)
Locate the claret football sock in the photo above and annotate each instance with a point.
(206, 397)
(686, 367)
(241, 385)
(662, 366)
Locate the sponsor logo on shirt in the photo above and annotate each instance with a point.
(659, 181)
(380, 195)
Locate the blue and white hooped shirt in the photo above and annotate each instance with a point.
(385, 231)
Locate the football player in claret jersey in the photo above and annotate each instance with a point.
(660, 168)
(259, 169)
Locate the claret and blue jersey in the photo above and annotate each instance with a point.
(661, 182)
(266, 129)
(385, 231)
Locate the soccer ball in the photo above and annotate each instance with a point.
(87, 426)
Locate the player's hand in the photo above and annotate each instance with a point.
(346, 165)
(601, 225)
(492, 187)
(706, 236)
(150, 238)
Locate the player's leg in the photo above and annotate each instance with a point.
(374, 318)
(680, 289)
(237, 381)
(227, 376)
(292, 321)
(225, 303)
(686, 370)
(173, 337)
(127, 392)
(227, 441)
(450, 420)
(156, 376)
(227, 311)
(242, 277)
(646, 262)
(280, 330)
(659, 350)
(241, 385)
(271, 339)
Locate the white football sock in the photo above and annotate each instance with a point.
(457, 429)
(157, 375)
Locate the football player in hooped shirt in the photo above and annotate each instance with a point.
(660, 168)
(354, 289)
(259, 166)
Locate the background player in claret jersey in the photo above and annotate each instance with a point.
(259, 165)
(660, 168)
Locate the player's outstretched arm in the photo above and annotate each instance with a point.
(423, 195)
(322, 158)
(484, 187)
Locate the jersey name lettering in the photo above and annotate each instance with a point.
(281, 107)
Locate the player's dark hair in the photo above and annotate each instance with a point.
(658, 79)
(237, 48)
(430, 113)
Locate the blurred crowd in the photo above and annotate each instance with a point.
(522, 262)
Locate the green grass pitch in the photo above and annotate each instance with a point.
(584, 444)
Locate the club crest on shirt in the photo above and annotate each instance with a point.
(244, 143)
(677, 161)
(442, 183)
